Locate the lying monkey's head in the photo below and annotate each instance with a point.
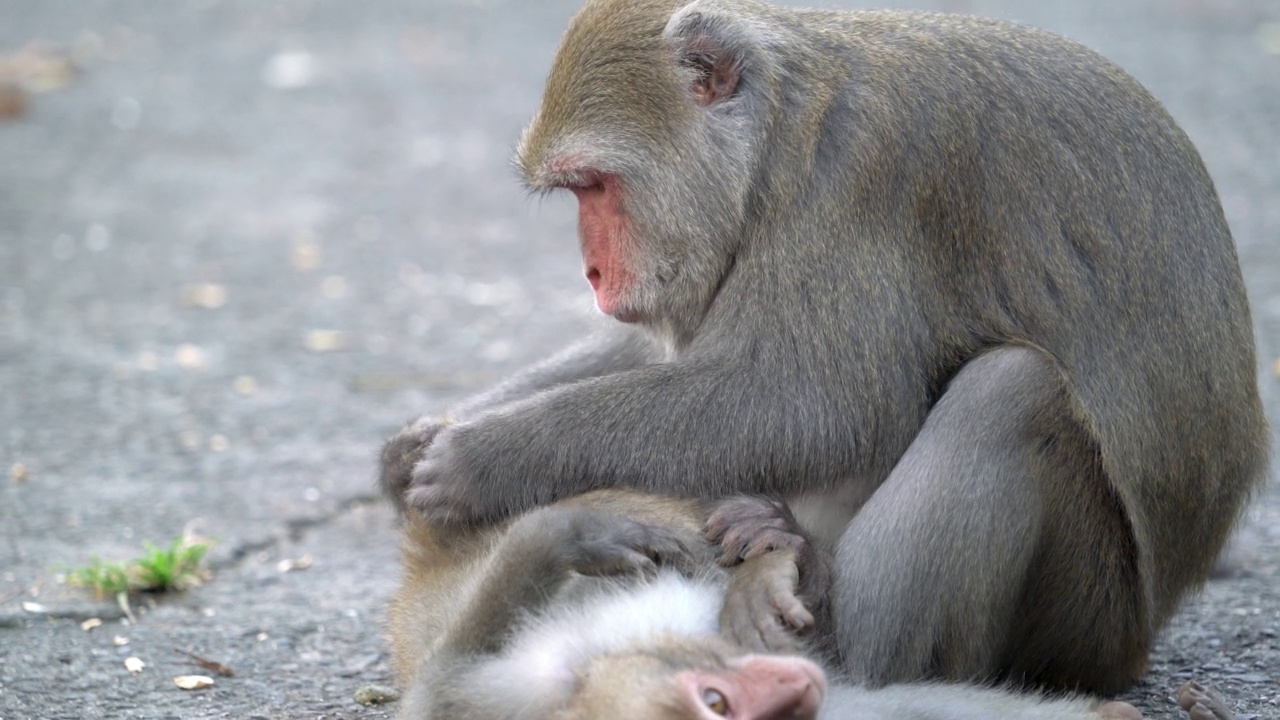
(684, 678)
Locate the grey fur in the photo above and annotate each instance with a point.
(887, 197)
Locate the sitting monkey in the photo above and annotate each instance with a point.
(961, 291)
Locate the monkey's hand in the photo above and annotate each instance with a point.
(745, 526)
(442, 487)
(781, 582)
(548, 542)
(599, 543)
(762, 611)
(401, 453)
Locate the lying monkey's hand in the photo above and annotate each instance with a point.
(401, 453)
(781, 581)
(762, 610)
(592, 541)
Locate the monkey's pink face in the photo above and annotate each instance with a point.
(604, 237)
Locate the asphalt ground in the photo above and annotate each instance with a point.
(243, 241)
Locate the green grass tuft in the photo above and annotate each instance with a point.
(176, 567)
(103, 578)
(171, 568)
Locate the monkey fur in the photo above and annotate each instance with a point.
(961, 291)
(605, 606)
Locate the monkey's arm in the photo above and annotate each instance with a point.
(693, 429)
(608, 351)
(612, 348)
(534, 560)
(538, 555)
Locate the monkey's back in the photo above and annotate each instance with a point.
(1051, 201)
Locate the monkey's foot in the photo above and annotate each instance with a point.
(746, 526)
(1119, 711)
(1201, 704)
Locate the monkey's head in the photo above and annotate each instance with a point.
(683, 678)
(647, 119)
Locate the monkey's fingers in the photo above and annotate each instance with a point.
(740, 623)
(429, 500)
(443, 489)
(675, 553)
(791, 610)
(781, 578)
(736, 510)
(401, 453)
(762, 610)
(748, 526)
(610, 545)
(611, 561)
(1201, 704)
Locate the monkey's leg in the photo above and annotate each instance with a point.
(995, 548)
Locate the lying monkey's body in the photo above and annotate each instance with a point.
(563, 615)
(964, 286)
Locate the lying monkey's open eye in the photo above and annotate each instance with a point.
(715, 701)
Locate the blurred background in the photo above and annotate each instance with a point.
(241, 242)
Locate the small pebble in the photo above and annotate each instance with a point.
(375, 695)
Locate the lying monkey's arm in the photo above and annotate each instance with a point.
(535, 559)
(778, 598)
(461, 678)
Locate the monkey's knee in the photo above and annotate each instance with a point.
(996, 548)
(1082, 622)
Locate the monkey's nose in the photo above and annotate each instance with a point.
(785, 688)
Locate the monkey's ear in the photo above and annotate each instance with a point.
(715, 70)
(711, 49)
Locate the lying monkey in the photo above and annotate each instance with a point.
(608, 605)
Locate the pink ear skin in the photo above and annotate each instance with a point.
(718, 72)
(760, 687)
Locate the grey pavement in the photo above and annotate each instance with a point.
(248, 239)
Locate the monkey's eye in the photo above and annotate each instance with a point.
(588, 186)
(715, 702)
(585, 183)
